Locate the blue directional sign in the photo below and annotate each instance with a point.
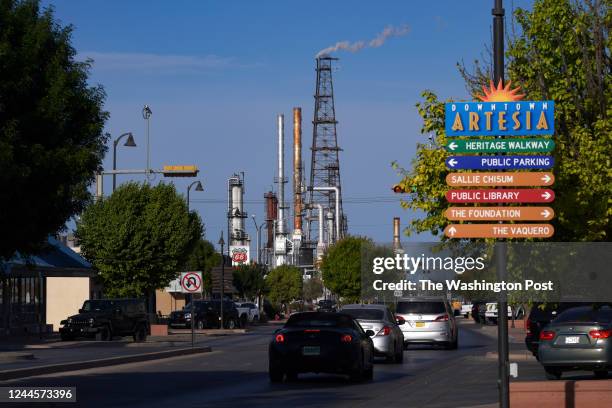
(516, 118)
(499, 162)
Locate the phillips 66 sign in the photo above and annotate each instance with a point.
(240, 254)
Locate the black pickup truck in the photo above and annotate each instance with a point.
(103, 319)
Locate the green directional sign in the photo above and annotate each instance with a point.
(518, 145)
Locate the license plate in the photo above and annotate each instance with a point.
(420, 324)
(572, 340)
(311, 350)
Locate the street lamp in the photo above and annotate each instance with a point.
(129, 143)
(258, 237)
(198, 187)
(222, 242)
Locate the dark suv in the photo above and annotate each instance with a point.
(105, 318)
(207, 315)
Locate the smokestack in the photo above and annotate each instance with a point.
(396, 234)
(280, 225)
(297, 170)
(271, 215)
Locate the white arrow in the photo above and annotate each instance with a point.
(452, 162)
(545, 213)
(452, 231)
(546, 178)
(546, 195)
(453, 146)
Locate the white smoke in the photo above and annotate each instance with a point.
(389, 31)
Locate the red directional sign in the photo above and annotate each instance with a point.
(536, 195)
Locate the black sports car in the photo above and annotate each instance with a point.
(321, 342)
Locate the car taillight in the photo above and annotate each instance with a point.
(312, 331)
(547, 335)
(279, 338)
(442, 318)
(600, 334)
(347, 338)
(385, 331)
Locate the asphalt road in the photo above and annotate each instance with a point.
(235, 373)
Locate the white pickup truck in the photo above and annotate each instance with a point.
(247, 312)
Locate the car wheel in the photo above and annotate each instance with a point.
(601, 373)
(358, 373)
(200, 325)
(65, 337)
(231, 324)
(292, 376)
(104, 334)
(140, 335)
(552, 373)
(275, 373)
(454, 344)
(368, 374)
(399, 357)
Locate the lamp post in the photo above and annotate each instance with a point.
(129, 143)
(198, 187)
(222, 242)
(258, 228)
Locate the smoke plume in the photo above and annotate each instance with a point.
(389, 31)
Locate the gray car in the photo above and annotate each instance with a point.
(429, 320)
(579, 338)
(387, 338)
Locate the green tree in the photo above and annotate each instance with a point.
(51, 126)
(561, 52)
(342, 267)
(249, 280)
(313, 288)
(138, 237)
(203, 257)
(284, 284)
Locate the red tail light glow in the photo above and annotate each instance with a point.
(385, 331)
(442, 318)
(312, 331)
(347, 338)
(600, 334)
(547, 335)
(279, 338)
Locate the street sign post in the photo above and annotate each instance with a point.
(499, 231)
(495, 195)
(191, 282)
(499, 213)
(496, 179)
(499, 162)
(515, 145)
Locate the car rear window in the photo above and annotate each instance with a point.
(365, 314)
(433, 307)
(319, 320)
(585, 314)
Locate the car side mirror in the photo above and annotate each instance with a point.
(400, 320)
(81, 311)
(369, 333)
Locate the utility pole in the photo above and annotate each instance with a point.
(146, 114)
(222, 242)
(500, 247)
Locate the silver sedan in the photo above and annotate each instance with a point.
(387, 338)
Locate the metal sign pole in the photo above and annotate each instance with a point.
(500, 247)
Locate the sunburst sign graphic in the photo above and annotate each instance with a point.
(500, 93)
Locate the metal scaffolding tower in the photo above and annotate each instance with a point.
(325, 162)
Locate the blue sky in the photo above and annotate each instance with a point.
(216, 74)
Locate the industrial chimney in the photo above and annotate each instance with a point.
(280, 225)
(297, 171)
(397, 245)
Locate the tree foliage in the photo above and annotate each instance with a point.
(203, 257)
(138, 238)
(342, 267)
(284, 284)
(313, 289)
(249, 280)
(562, 53)
(51, 126)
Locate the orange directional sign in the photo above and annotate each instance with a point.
(499, 213)
(499, 231)
(515, 178)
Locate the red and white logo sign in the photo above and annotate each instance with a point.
(191, 282)
(239, 254)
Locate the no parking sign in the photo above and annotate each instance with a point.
(191, 282)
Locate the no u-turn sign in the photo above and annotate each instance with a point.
(191, 282)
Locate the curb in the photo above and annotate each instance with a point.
(104, 362)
